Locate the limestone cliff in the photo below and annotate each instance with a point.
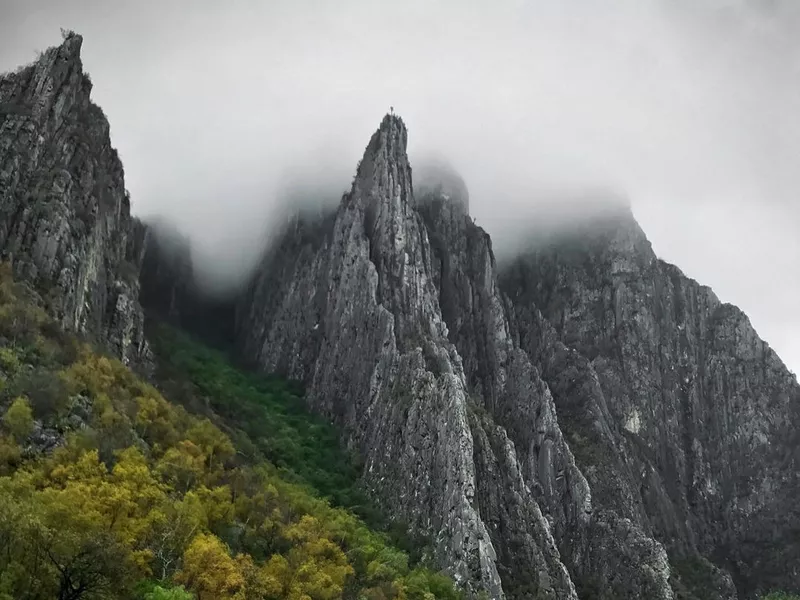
(701, 411)
(348, 305)
(390, 311)
(65, 220)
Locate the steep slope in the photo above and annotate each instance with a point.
(109, 491)
(65, 219)
(701, 410)
(602, 548)
(348, 304)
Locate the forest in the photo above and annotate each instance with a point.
(110, 491)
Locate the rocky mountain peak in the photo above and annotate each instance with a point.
(566, 406)
(387, 145)
(392, 316)
(71, 45)
(65, 222)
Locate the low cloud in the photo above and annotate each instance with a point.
(686, 108)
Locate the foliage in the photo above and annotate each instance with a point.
(693, 578)
(157, 592)
(274, 423)
(143, 497)
(269, 410)
(209, 569)
(780, 596)
(19, 418)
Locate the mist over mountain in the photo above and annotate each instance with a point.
(572, 418)
(687, 109)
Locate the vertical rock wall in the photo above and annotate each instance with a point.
(65, 219)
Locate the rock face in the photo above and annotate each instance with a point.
(167, 274)
(510, 386)
(584, 422)
(701, 411)
(65, 221)
(348, 305)
(391, 312)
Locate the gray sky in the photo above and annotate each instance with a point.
(689, 108)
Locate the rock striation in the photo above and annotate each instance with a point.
(65, 222)
(701, 412)
(348, 305)
(512, 390)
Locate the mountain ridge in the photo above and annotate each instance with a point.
(64, 208)
(583, 421)
(452, 237)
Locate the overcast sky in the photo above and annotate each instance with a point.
(688, 108)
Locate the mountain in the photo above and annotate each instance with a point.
(205, 482)
(581, 421)
(65, 220)
(701, 413)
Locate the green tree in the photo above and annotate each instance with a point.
(173, 593)
(19, 418)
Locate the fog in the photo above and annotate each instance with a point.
(689, 109)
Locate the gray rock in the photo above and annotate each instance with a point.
(545, 430)
(510, 387)
(65, 221)
(700, 413)
(529, 562)
(348, 305)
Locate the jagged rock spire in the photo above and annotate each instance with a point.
(72, 44)
(514, 419)
(358, 318)
(64, 212)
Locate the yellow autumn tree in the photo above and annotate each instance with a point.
(155, 420)
(131, 501)
(183, 465)
(216, 446)
(317, 567)
(174, 525)
(209, 571)
(10, 454)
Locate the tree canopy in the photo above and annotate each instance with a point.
(110, 491)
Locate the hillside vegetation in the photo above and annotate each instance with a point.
(268, 419)
(269, 410)
(108, 490)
